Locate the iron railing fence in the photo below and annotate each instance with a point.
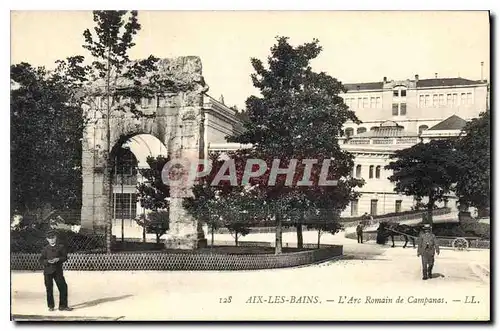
(181, 261)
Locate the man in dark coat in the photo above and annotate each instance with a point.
(427, 247)
(359, 232)
(52, 257)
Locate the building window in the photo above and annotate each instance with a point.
(403, 93)
(398, 205)
(161, 101)
(395, 93)
(402, 109)
(455, 99)
(377, 172)
(358, 171)
(373, 207)
(361, 130)
(469, 98)
(442, 100)
(373, 102)
(435, 100)
(365, 102)
(373, 128)
(395, 109)
(125, 167)
(421, 100)
(354, 208)
(349, 132)
(370, 173)
(427, 100)
(379, 102)
(422, 128)
(398, 109)
(449, 99)
(463, 98)
(360, 102)
(98, 102)
(148, 102)
(125, 206)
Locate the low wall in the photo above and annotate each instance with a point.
(443, 242)
(180, 261)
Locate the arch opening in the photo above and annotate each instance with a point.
(129, 156)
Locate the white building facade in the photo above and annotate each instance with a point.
(396, 115)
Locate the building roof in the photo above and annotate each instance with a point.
(451, 123)
(387, 129)
(435, 82)
(364, 86)
(431, 82)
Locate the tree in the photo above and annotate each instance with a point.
(425, 170)
(121, 81)
(153, 195)
(156, 222)
(46, 124)
(298, 116)
(473, 185)
(321, 221)
(152, 192)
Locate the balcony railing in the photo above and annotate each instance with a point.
(381, 141)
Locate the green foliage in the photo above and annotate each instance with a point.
(473, 186)
(462, 229)
(300, 112)
(46, 131)
(156, 222)
(153, 193)
(32, 240)
(298, 116)
(426, 170)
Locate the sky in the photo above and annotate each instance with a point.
(358, 46)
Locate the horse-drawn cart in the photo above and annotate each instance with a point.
(457, 242)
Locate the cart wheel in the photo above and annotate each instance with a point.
(460, 244)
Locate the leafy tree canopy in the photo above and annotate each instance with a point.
(46, 135)
(473, 185)
(426, 170)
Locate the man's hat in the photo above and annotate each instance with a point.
(50, 234)
(427, 226)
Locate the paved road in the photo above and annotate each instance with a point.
(368, 272)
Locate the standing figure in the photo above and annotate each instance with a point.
(359, 233)
(52, 257)
(427, 247)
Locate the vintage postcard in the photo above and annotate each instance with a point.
(250, 165)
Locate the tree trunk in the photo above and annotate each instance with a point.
(483, 212)
(236, 237)
(143, 234)
(430, 208)
(212, 230)
(319, 238)
(158, 238)
(300, 238)
(279, 236)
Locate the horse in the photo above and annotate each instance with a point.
(386, 230)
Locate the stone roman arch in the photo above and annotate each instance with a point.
(177, 122)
